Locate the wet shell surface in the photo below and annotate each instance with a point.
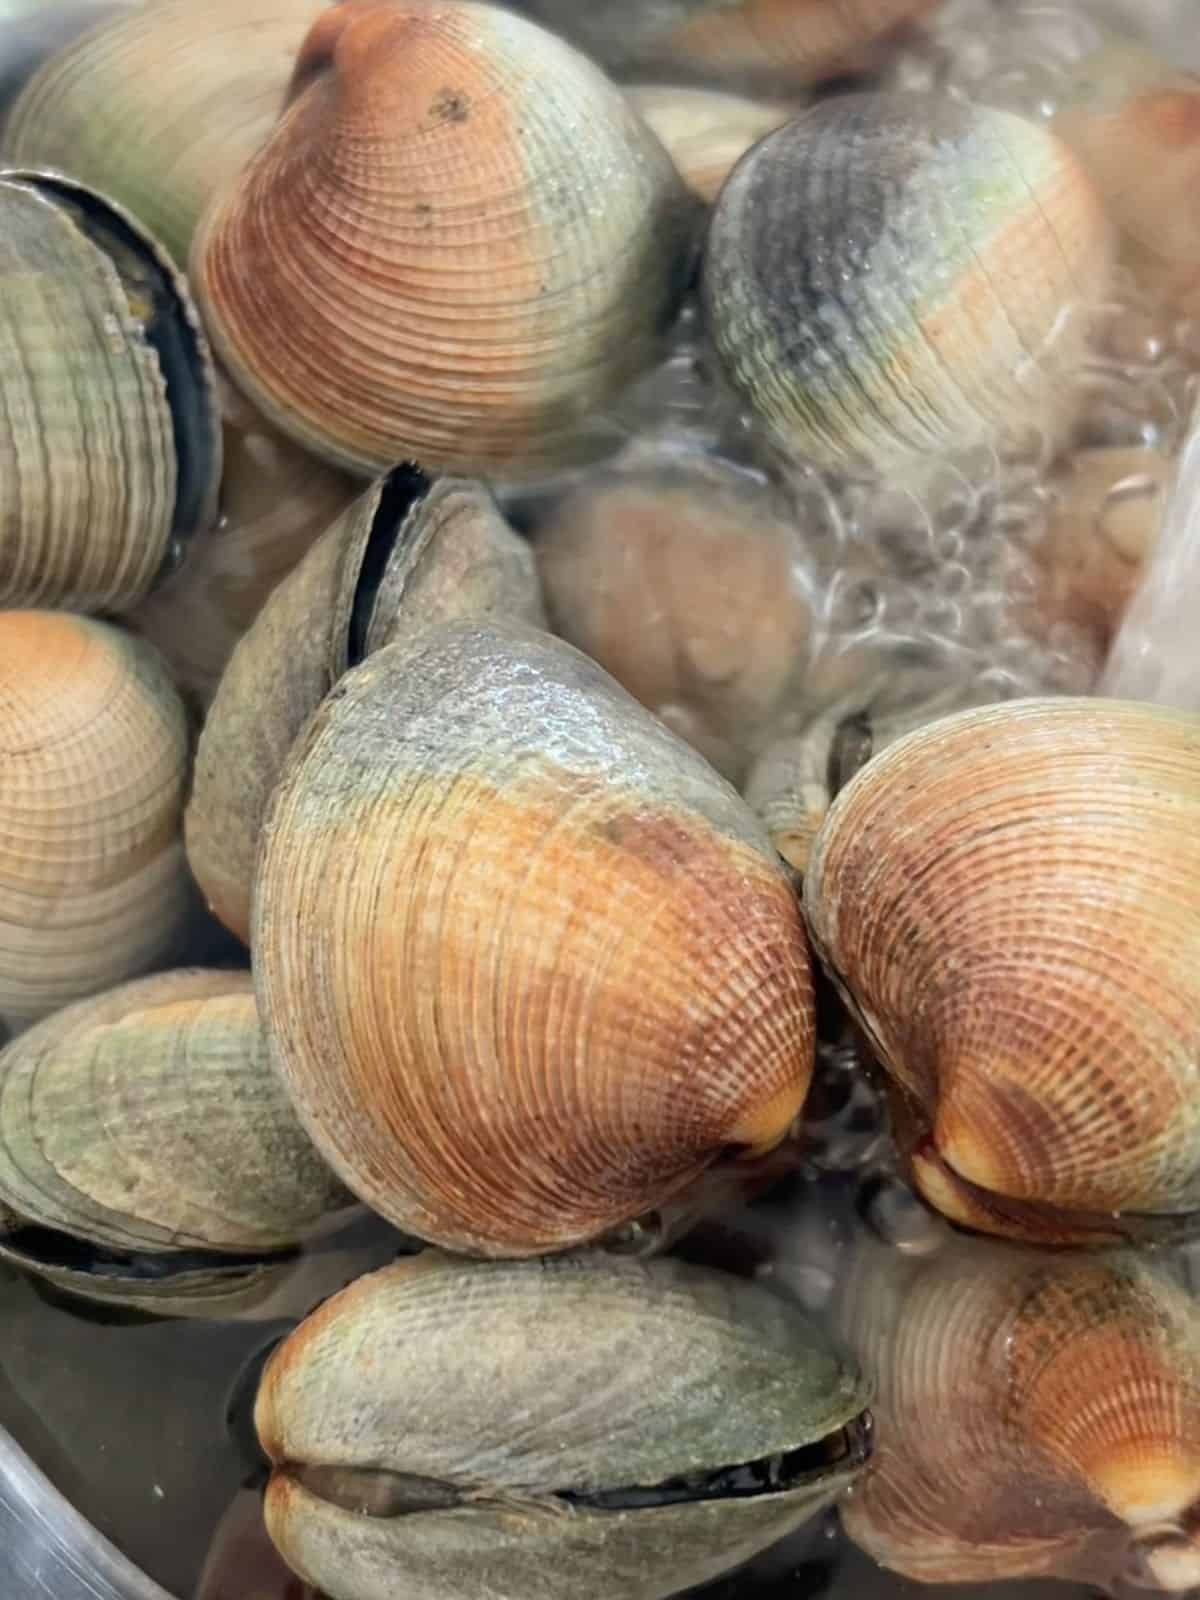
(894, 276)
(673, 1421)
(529, 964)
(1010, 898)
(111, 454)
(1038, 1414)
(201, 1150)
(410, 552)
(459, 241)
(93, 759)
(706, 132)
(159, 106)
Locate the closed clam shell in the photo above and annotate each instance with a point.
(706, 132)
(93, 759)
(1038, 1414)
(689, 583)
(408, 553)
(276, 501)
(389, 1419)
(458, 242)
(529, 964)
(160, 105)
(1010, 899)
(112, 452)
(891, 276)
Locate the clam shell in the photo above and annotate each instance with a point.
(622, 1374)
(1037, 1415)
(201, 1150)
(1011, 900)
(465, 289)
(706, 133)
(530, 966)
(93, 759)
(160, 106)
(112, 449)
(408, 553)
(690, 585)
(892, 276)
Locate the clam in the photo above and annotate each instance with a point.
(524, 1430)
(93, 760)
(706, 132)
(409, 553)
(1010, 900)
(689, 583)
(892, 277)
(784, 42)
(111, 453)
(529, 965)
(202, 1168)
(459, 241)
(159, 105)
(276, 501)
(1037, 1415)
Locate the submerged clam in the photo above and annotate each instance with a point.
(894, 276)
(446, 1430)
(706, 132)
(429, 259)
(93, 760)
(1037, 1415)
(111, 454)
(410, 552)
(1010, 900)
(159, 105)
(202, 1168)
(529, 965)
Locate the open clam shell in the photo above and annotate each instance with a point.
(529, 965)
(160, 105)
(112, 453)
(466, 287)
(673, 1422)
(202, 1154)
(1010, 899)
(410, 552)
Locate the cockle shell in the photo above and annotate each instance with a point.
(276, 501)
(706, 132)
(160, 106)
(459, 241)
(781, 42)
(111, 453)
(518, 1430)
(93, 759)
(201, 1150)
(1037, 1414)
(529, 964)
(688, 582)
(894, 276)
(1010, 899)
(409, 553)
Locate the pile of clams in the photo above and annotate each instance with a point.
(557, 563)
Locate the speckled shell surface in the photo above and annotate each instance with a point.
(1037, 1414)
(459, 241)
(201, 1149)
(1011, 899)
(93, 759)
(111, 447)
(623, 1373)
(529, 965)
(160, 105)
(891, 276)
(444, 550)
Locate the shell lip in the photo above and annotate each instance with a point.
(379, 1493)
(38, 1248)
(395, 526)
(171, 327)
